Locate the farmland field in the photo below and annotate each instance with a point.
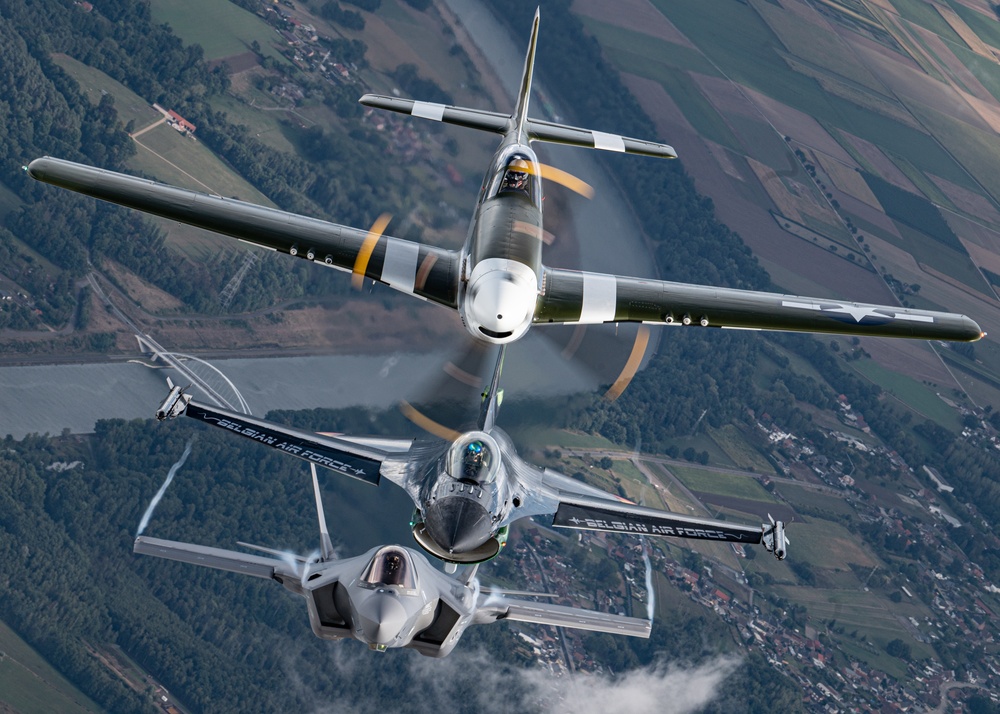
(30, 685)
(746, 487)
(921, 398)
(221, 28)
(95, 83)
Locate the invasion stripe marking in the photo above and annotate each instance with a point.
(914, 318)
(428, 110)
(399, 269)
(608, 142)
(600, 298)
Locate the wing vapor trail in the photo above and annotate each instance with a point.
(650, 593)
(163, 489)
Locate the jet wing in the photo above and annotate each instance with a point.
(574, 297)
(425, 271)
(339, 455)
(218, 558)
(560, 616)
(587, 508)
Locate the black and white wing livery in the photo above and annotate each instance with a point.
(573, 297)
(424, 271)
(584, 507)
(358, 460)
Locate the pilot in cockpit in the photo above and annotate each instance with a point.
(472, 461)
(389, 567)
(516, 176)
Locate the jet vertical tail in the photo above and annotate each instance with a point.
(325, 545)
(524, 93)
(492, 396)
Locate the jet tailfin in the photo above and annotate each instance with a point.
(325, 545)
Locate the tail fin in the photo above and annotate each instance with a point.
(492, 396)
(325, 545)
(524, 93)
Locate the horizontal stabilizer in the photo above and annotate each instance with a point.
(217, 558)
(536, 129)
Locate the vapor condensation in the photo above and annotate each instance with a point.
(163, 489)
(650, 593)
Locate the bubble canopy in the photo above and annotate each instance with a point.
(474, 458)
(391, 566)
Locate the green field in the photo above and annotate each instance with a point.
(31, 686)
(923, 14)
(873, 617)
(94, 83)
(807, 498)
(932, 253)
(740, 451)
(221, 28)
(538, 438)
(987, 29)
(645, 55)
(919, 397)
(722, 484)
(177, 159)
(825, 544)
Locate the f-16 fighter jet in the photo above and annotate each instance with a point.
(467, 490)
(390, 596)
(497, 281)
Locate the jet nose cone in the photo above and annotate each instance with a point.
(458, 524)
(382, 618)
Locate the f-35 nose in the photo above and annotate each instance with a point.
(458, 524)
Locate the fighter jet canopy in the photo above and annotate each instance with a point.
(474, 458)
(391, 566)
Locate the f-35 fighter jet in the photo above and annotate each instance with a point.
(390, 596)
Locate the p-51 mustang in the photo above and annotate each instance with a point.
(390, 596)
(497, 281)
(468, 490)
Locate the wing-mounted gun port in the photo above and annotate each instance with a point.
(774, 539)
(174, 405)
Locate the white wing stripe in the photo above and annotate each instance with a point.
(914, 318)
(400, 267)
(608, 142)
(428, 110)
(600, 296)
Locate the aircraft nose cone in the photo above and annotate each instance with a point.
(500, 304)
(458, 524)
(382, 618)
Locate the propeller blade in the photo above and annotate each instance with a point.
(564, 178)
(367, 248)
(631, 365)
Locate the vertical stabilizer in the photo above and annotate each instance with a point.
(325, 545)
(492, 396)
(521, 113)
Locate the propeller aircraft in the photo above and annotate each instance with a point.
(497, 281)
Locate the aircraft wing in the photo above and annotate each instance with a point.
(218, 558)
(587, 508)
(561, 616)
(573, 297)
(425, 271)
(340, 455)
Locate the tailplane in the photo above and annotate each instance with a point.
(524, 93)
(527, 129)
